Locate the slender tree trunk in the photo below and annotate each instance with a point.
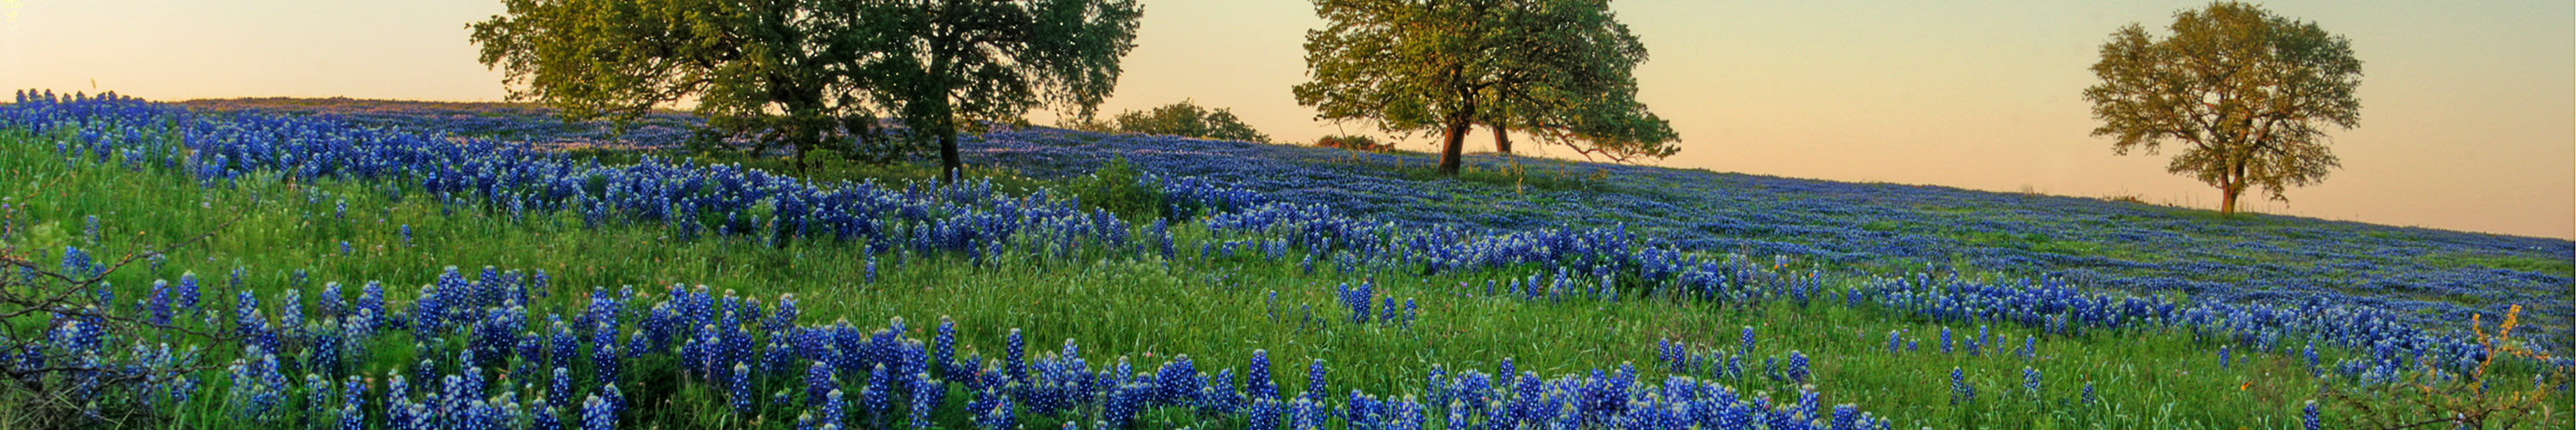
(949, 162)
(800, 159)
(1502, 140)
(1452, 140)
(2232, 186)
(807, 138)
(2227, 198)
(946, 115)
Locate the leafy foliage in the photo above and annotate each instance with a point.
(812, 73)
(2469, 398)
(1120, 189)
(1559, 69)
(1184, 118)
(1187, 118)
(2250, 92)
(1354, 143)
(772, 71)
(992, 60)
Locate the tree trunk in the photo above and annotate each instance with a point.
(2231, 185)
(800, 161)
(2227, 198)
(806, 140)
(1452, 139)
(949, 163)
(1502, 140)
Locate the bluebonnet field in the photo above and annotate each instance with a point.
(2437, 275)
(512, 349)
(2431, 276)
(519, 122)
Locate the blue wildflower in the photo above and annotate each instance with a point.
(2308, 416)
(596, 414)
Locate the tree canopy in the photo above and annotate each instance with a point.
(813, 73)
(1185, 118)
(2248, 92)
(1560, 70)
(992, 60)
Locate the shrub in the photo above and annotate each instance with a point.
(1354, 143)
(1188, 119)
(1118, 188)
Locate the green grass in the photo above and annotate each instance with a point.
(1147, 309)
(2561, 266)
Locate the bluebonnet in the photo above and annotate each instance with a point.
(873, 397)
(547, 416)
(1176, 381)
(1305, 414)
(740, 383)
(2311, 353)
(616, 399)
(159, 304)
(926, 394)
(1015, 351)
(1257, 382)
(1960, 391)
(819, 382)
(2030, 381)
(76, 263)
(188, 292)
(834, 407)
(943, 349)
(1798, 367)
(604, 361)
(1410, 313)
(1264, 414)
(1748, 341)
(1001, 416)
(1357, 300)
(1975, 344)
(1315, 380)
(1387, 313)
(2222, 356)
(2308, 416)
(597, 414)
(317, 401)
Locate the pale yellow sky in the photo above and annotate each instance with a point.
(2465, 125)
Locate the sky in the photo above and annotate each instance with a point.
(2468, 117)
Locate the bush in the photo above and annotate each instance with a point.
(1188, 119)
(1119, 189)
(1354, 143)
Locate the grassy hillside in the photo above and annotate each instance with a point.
(535, 238)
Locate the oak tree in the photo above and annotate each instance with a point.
(2249, 93)
(812, 73)
(768, 71)
(1188, 119)
(1558, 69)
(993, 60)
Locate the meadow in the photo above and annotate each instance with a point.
(423, 268)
